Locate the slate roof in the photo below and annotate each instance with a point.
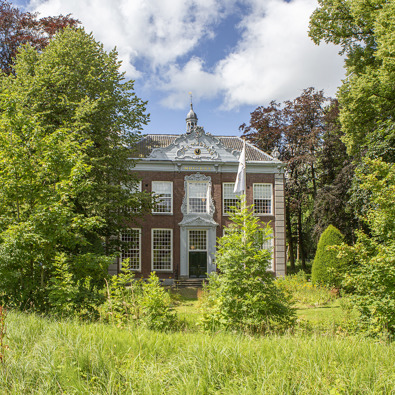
(151, 141)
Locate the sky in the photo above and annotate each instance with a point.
(232, 55)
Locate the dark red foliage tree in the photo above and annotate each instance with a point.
(295, 130)
(18, 28)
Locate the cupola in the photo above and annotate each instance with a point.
(191, 119)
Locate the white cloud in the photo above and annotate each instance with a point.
(192, 77)
(158, 31)
(274, 58)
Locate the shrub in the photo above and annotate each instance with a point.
(121, 305)
(145, 303)
(243, 295)
(304, 292)
(328, 267)
(69, 294)
(373, 278)
(155, 304)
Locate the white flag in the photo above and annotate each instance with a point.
(240, 185)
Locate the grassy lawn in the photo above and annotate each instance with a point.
(48, 356)
(68, 357)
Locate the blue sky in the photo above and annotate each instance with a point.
(233, 55)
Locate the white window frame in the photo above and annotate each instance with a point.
(207, 196)
(171, 197)
(226, 213)
(121, 258)
(152, 250)
(269, 243)
(271, 198)
(137, 188)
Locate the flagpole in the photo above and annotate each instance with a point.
(241, 184)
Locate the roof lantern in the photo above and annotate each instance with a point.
(191, 118)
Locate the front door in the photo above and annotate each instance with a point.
(197, 257)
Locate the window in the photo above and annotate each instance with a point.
(164, 191)
(198, 240)
(262, 198)
(162, 249)
(229, 197)
(197, 197)
(136, 188)
(131, 248)
(266, 244)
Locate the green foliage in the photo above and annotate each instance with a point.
(303, 292)
(243, 294)
(365, 32)
(123, 294)
(155, 304)
(50, 357)
(373, 278)
(145, 303)
(70, 294)
(3, 315)
(328, 267)
(68, 121)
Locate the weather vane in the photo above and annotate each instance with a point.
(190, 94)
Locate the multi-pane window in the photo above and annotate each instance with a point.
(262, 198)
(131, 248)
(198, 240)
(197, 197)
(229, 197)
(162, 253)
(136, 188)
(164, 191)
(266, 243)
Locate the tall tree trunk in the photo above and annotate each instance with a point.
(314, 180)
(290, 239)
(300, 237)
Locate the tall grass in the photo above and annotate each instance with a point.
(47, 357)
(303, 292)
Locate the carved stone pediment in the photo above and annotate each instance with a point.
(195, 146)
(194, 220)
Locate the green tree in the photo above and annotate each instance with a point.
(243, 295)
(373, 278)
(328, 268)
(68, 123)
(364, 30)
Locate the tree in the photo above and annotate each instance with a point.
(365, 32)
(243, 294)
(328, 268)
(336, 172)
(373, 277)
(18, 28)
(68, 123)
(296, 131)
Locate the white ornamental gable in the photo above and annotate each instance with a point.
(196, 146)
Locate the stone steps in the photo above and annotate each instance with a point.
(189, 282)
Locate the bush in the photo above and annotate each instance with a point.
(328, 267)
(145, 303)
(70, 294)
(304, 292)
(155, 303)
(243, 295)
(123, 293)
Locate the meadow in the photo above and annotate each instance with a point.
(321, 355)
